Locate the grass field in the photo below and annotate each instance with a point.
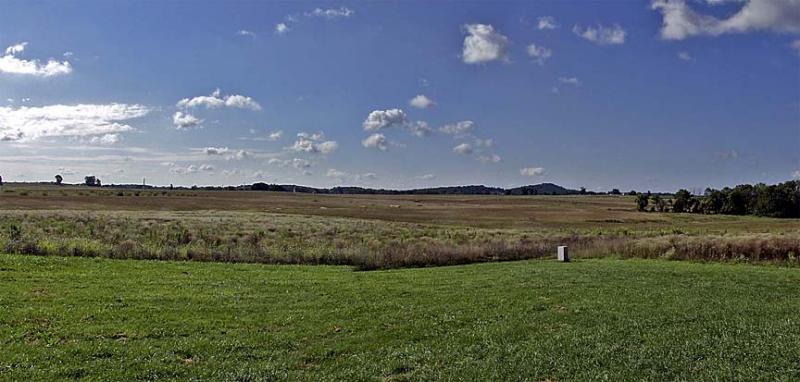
(71, 313)
(370, 232)
(97, 319)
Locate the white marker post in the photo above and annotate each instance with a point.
(563, 254)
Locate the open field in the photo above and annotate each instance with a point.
(370, 232)
(65, 316)
(532, 320)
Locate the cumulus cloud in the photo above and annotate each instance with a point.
(539, 54)
(680, 21)
(83, 120)
(190, 169)
(16, 48)
(105, 140)
(313, 143)
(463, 149)
(458, 128)
(379, 120)
(421, 102)
(420, 129)
(281, 28)
(546, 22)
(275, 135)
(331, 13)
(531, 171)
(216, 150)
(227, 153)
(601, 35)
(483, 44)
(216, 100)
(376, 141)
(183, 121)
(384, 119)
(12, 64)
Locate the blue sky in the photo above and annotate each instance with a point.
(632, 95)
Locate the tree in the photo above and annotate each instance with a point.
(659, 203)
(59, 179)
(1, 180)
(642, 200)
(682, 201)
(615, 192)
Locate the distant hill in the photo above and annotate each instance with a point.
(537, 189)
(541, 189)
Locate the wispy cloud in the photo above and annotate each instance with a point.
(601, 35)
(83, 120)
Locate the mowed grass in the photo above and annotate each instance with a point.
(100, 319)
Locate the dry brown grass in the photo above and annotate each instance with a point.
(371, 232)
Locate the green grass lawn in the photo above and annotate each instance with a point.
(98, 319)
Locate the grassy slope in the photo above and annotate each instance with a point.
(592, 319)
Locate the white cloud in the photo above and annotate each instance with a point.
(105, 140)
(215, 100)
(216, 150)
(337, 175)
(680, 21)
(539, 54)
(685, 56)
(463, 149)
(244, 32)
(340, 176)
(796, 174)
(190, 169)
(227, 153)
(327, 147)
(546, 22)
(490, 158)
(16, 48)
(376, 141)
(601, 35)
(10, 63)
(313, 143)
(420, 129)
(394, 119)
(574, 81)
(531, 171)
(426, 177)
(184, 121)
(484, 142)
(282, 28)
(458, 128)
(796, 46)
(275, 135)
(331, 13)
(421, 102)
(384, 119)
(82, 120)
(483, 44)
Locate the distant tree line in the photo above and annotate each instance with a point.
(779, 200)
